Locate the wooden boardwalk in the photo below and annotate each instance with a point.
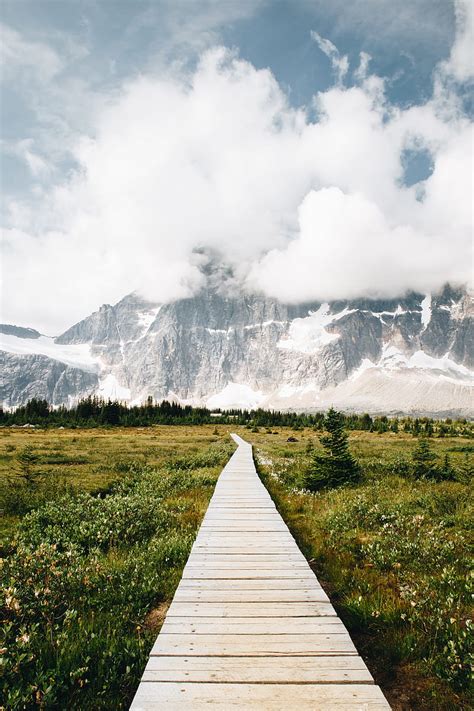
(249, 626)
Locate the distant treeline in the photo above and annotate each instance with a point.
(96, 412)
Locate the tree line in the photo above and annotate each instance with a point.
(97, 412)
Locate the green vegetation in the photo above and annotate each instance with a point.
(394, 551)
(98, 523)
(94, 412)
(336, 466)
(87, 574)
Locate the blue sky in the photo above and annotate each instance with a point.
(72, 68)
(107, 42)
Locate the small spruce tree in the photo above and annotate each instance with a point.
(336, 465)
(466, 469)
(27, 459)
(424, 461)
(447, 472)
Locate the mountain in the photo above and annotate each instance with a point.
(225, 348)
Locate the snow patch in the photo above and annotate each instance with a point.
(236, 395)
(399, 311)
(366, 364)
(297, 391)
(264, 324)
(420, 359)
(426, 311)
(110, 389)
(146, 318)
(309, 335)
(393, 359)
(76, 355)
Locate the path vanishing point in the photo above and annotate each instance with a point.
(250, 626)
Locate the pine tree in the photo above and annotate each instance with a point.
(466, 469)
(336, 466)
(447, 472)
(27, 459)
(424, 461)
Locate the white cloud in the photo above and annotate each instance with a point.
(24, 150)
(20, 56)
(461, 60)
(346, 248)
(362, 70)
(217, 159)
(339, 64)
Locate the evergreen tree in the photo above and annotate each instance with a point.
(27, 459)
(429, 428)
(447, 472)
(466, 470)
(424, 461)
(336, 465)
(366, 422)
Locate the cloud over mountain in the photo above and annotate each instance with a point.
(304, 203)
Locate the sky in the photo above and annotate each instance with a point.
(321, 150)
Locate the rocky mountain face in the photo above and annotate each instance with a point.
(28, 376)
(225, 348)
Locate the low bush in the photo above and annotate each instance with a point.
(396, 555)
(84, 573)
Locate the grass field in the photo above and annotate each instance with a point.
(86, 460)
(93, 551)
(94, 548)
(394, 554)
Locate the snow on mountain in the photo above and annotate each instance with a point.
(236, 395)
(110, 389)
(309, 334)
(78, 356)
(426, 311)
(226, 348)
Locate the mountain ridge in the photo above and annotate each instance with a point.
(413, 354)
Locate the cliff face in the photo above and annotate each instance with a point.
(234, 349)
(37, 376)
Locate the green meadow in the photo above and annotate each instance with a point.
(98, 523)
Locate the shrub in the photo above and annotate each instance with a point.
(83, 574)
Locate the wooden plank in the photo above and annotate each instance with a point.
(279, 558)
(244, 573)
(253, 645)
(248, 564)
(261, 670)
(249, 609)
(258, 697)
(250, 555)
(251, 596)
(199, 549)
(254, 625)
(252, 584)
